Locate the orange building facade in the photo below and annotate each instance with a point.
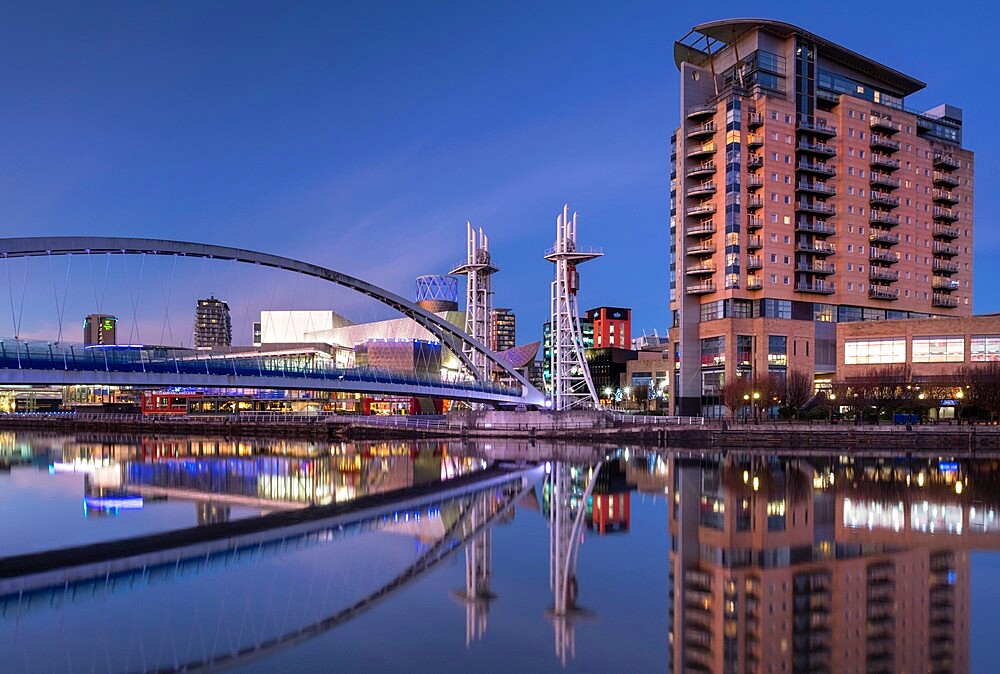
(804, 193)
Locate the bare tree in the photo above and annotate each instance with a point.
(983, 380)
(769, 389)
(854, 396)
(888, 387)
(733, 391)
(798, 390)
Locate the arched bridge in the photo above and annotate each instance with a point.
(43, 363)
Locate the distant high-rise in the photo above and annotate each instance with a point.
(503, 327)
(100, 329)
(212, 325)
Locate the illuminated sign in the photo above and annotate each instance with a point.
(948, 466)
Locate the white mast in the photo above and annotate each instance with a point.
(572, 385)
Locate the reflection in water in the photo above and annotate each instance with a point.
(855, 565)
(776, 564)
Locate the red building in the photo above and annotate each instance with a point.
(612, 327)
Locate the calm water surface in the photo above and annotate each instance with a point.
(597, 560)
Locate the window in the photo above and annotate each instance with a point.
(713, 351)
(985, 348)
(939, 349)
(711, 311)
(744, 350)
(777, 308)
(874, 351)
(777, 350)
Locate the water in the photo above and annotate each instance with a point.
(746, 563)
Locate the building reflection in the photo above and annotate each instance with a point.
(217, 474)
(781, 565)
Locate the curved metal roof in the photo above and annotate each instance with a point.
(728, 31)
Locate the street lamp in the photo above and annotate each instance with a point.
(756, 410)
(829, 411)
(746, 405)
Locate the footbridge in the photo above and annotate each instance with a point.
(57, 363)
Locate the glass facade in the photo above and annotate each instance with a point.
(984, 348)
(938, 349)
(875, 351)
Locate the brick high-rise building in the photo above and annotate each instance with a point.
(212, 325)
(503, 329)
(804, 193)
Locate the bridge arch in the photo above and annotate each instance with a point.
(448, 334)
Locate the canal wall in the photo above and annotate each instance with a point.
(543, 427)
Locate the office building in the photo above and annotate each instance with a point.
(503, 327)
(612, 327)
(100, 329)
(804, 193)
(212, 325)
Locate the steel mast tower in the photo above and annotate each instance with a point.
(477, 268)
(572, 385)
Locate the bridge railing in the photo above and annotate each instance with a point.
(23, 354)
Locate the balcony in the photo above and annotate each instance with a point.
(944, 196)
(946, 161)
(818, 168)
(942, 300)
(755, 161)
(882, 236)
(817, 188)
(701, 131)
(944, 266)
(699, 111)
(821, 149)
(754, 203)
(882, 274)
(944, 283)
(754, 140)
(883, 161)
(754, 120)
(701, 190)
(827, 98)
(942, 178)
(702, 228)
(818, 267)
(754, 222)
(946, 249)
(754, 242)
(816, 128)
(701, 288)
(815, 207)
(883, 199)
(754, 283)
(754, 182)
(815, 247)
(882, 255)
(821, 228)
(879, 123)
(818, 287)
(884, 180)
(706, 247)
(946, 231)
(946, 214)
(701, 150)
(883, 293)
(884, 218)
(755, 262)
(701, 209)
(884, 143)
(707, 168)
(700, 269)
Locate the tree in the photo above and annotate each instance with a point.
(732, 392)
(798, 390)
(769, 389)
(983, 381)
(888, 387)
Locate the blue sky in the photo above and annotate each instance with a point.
(362, 136)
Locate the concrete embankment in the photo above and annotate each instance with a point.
(576, 427)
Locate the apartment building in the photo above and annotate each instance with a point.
(804, 193)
